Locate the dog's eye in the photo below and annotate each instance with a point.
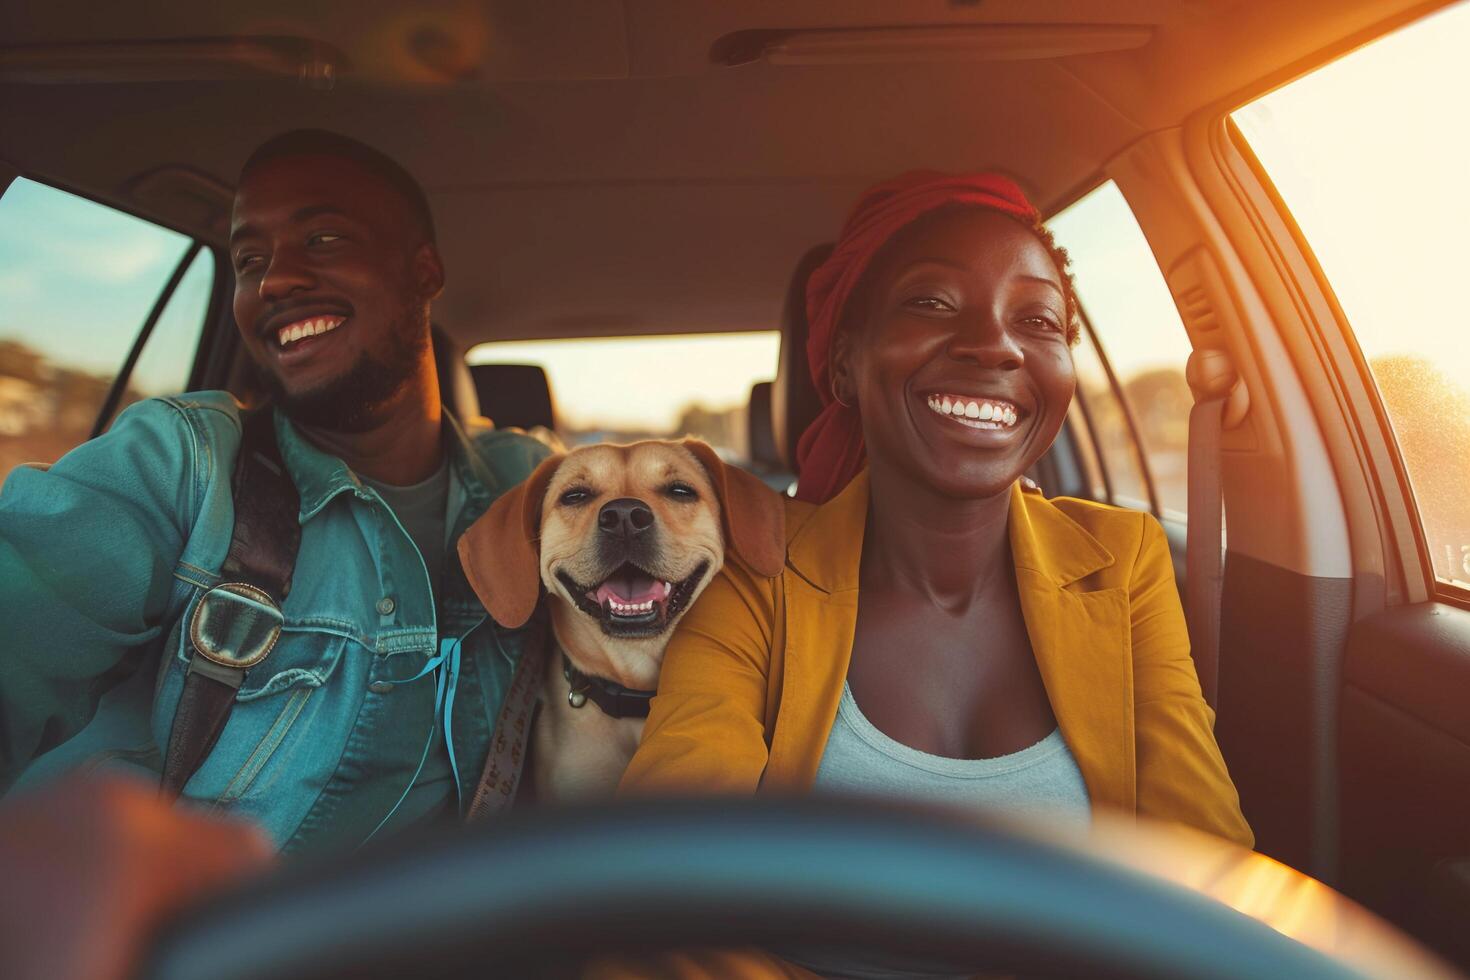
(575, 496)
(682, 491)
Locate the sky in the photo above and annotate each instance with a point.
(1119, 283)
(78, 279)
(1372, 155)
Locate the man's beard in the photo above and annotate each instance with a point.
(351, 401)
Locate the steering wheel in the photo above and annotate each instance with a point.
(541, 890)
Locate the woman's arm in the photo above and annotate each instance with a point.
(706, 730)
(1181, 775)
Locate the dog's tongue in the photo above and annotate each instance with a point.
(629, 584)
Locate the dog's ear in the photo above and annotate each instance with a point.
(751, 513)
(500, 552)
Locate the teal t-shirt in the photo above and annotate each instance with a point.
(422, 509)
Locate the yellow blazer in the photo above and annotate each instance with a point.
(753, 675)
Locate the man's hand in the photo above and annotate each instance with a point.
(90, 866)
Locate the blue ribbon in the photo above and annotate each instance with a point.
(445, 667)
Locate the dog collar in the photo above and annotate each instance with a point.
(615, 700)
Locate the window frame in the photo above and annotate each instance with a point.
(108, 410)
(1401, 521)
(219, 340)
(1140, 454)
(1082, 444)
(1098, 457)
(207, 354)
(1401, 539)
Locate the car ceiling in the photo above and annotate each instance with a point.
(593, 166)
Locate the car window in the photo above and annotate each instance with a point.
(78, 281)
(1077, 457)
(1136, 331)
(1369, 155)
(1108, 427)
(168, 355)
(666, 387)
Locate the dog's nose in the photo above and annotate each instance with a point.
(625, 517)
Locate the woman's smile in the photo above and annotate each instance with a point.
(981, 413)
(971, 423)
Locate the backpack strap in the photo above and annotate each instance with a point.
(236, 624)
(510, 740)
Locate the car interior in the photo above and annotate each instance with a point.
(655, 168)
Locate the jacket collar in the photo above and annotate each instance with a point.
(1079, 636)
(319, 476)
(1045, 540)
(827, 549)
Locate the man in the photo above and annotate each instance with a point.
(374, 708)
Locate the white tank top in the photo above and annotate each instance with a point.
(861, 760)
(1041, 778)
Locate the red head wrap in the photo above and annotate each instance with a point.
(830, 452)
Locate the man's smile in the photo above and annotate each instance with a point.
(298, 330)
(302, 340)
(300, 314)
(296, 334)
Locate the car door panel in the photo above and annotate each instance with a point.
(1405, 757)
(1280, 629)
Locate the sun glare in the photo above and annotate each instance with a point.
(1369, 153)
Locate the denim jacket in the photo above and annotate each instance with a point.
(104, 554)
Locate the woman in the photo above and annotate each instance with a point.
(940, 630)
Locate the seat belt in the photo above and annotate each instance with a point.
(236, 624)
(1219, 403)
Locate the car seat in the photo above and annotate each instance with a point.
(794, 400)
(515, 395)
(456, 390)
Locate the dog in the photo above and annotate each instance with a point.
(620, 540)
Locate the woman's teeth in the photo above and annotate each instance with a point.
(975, 413)
(308, 328)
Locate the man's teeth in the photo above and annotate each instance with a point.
(308, 328)
(974, 412)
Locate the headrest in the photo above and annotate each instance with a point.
(760, 434)
(794, 402)
(456, 390)
(514, 395)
